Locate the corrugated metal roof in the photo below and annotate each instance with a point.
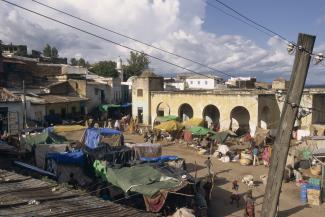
(18, 191)
(52, 99)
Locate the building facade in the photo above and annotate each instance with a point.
(243, 109)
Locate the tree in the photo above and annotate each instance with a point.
(47, 51)
(54, 52)
(82, 62)
(73, 61)
(136, 64)
(105, 69)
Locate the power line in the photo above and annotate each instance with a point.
(252, 21)
(132, 38)
(107, 40)
(237, 18)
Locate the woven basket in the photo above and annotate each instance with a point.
(245, 161)
(316, 170)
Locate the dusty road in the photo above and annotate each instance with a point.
(290, 204)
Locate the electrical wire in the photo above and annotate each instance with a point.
(252, 21)
(132, 38)
(237, 18)
(108, 40)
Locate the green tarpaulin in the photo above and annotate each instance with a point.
(167, 118)
(220, 137)
(200, 131)
(143, 179)
(44, 138)
(104, 108)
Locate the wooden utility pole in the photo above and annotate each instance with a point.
(290, 109)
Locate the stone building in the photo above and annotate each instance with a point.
(234, 108)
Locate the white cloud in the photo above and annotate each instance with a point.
(174, 25)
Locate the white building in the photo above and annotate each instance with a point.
(203, 82)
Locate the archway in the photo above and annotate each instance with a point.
(185, 112)
(266, 118)
(239, 120)
(211, 114)
(163, 109)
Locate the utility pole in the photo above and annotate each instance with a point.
(290, 109)
(25, 106)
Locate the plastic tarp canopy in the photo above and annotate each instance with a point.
(143, 179)
(167, 118)
(106, 107)
(200, 131)
(160, 159)
(44, 138)
(68, 158)
(220, 137)
(93, 135)
(67, 128)
(169, 126)
(147, 150)
(193, 122)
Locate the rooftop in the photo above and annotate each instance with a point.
(53, 99)
(18, 191)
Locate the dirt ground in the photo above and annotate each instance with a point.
(220, 206)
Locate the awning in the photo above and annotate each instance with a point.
(200, 131)
(169, 126)
(106, 107)
(220, 137)
(143, 179)
(167, 118)
(194, 122)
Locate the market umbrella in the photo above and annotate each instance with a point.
(169, 126)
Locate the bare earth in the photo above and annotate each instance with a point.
(290, 204)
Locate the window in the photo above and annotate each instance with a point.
(198, 82)
(96, 91)
(206, 82)
(191, 82)
(63, 112)
(77, 86)
(139, 92)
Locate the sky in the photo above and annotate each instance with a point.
(191, 28)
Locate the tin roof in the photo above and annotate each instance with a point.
(18, 192)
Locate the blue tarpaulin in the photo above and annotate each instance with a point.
(159, 159)
(93, 135)
(70, 158)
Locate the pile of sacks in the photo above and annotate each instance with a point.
(224, 154)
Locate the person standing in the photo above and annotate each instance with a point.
(255, 156)
(117, 125)
(249, 204)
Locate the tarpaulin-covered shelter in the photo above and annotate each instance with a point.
(193, 122)
(143, 150)
(67, 128)
(152, 182)
(169, 126)
(43, 138)
(200, 131)
(93, 136)
(143, 179)
(68, 158)
(220, 137)
(162, 119)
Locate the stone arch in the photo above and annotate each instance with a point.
(185, 111)
(239, 120)
(211, 114)
(266, 118)
(163, 109)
